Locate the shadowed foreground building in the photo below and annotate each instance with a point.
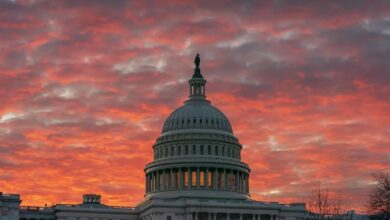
(196, 174)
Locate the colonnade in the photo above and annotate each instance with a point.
(231, 216)
(197, 178)
(220, 216)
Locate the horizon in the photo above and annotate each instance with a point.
(85, 89)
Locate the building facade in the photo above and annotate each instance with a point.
(196, 174)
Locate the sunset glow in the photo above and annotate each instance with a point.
(85, 87)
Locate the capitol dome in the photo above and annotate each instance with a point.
(197, 154)
(196, 114)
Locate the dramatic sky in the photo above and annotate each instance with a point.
(85, 87)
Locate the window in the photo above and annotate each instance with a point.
(228, 152)
(220, 179)
(216, 150)
(193, 178)
(223, 151)
(201, 178)
(209, 150)
(201, 149)
(169, 217)
(210, 178)
(177, 179)
(179, 150)
(231, 181)
(186, 152)
(185, 178)
(172, 151)
(193, 149)
(166, 152)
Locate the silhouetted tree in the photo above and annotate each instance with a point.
(379, 198)
(324, 205)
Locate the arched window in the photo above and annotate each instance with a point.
(185, 178)
(193, 178)
(201, 178)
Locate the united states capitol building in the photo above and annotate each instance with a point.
(196, 174)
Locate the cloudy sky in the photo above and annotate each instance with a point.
(85, 87)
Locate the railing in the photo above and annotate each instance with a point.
(113, 207)
(34, 208)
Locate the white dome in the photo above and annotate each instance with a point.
(197, 114)
(197, 153)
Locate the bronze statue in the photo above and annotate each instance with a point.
(197, 60)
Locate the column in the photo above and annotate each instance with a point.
(253, 217)
(215, 173)
(189, 178)
(197, 178)
(164, 179)
(237, 181)
(225, 180)
(247, 183)
(215, 216)
(206, 179)
(180, 179)
(227, 216)
(158, 181)
(153, 188)
(146, 183)
(240, 216)
(171, 182)
(149, 182)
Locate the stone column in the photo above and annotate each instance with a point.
(146, 183)
(170, 180)
(189, 178)
(247, 183)
(206, 179)
(180, 179)
(215, 173)
(164, 176)
(237, 181)
(158, 181)
(225, 179)
(197, 178)
(253, 217)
